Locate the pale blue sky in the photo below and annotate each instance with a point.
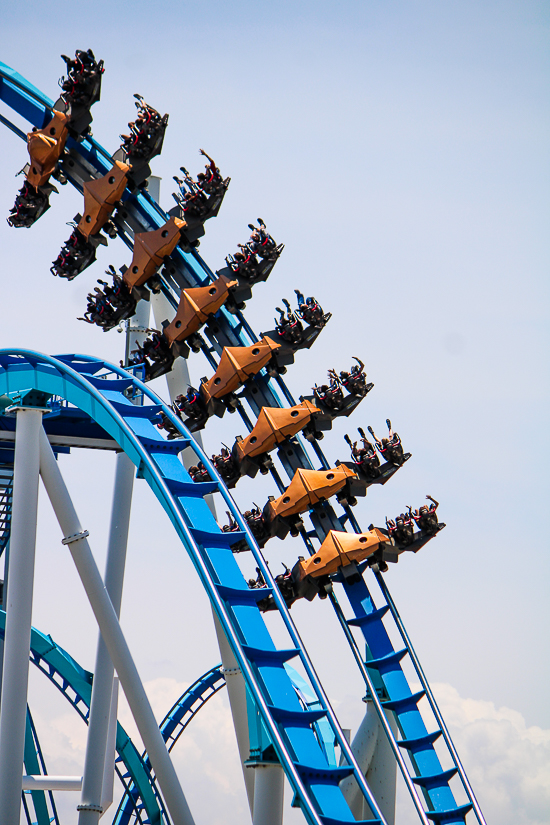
(400, 151)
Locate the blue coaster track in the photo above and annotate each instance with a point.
(103, 392)
(78, 380)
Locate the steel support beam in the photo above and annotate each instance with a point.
(269, 786)
(51, 783)
(236, 690)
(375, 757)
(102, 689)
(382, 773)
(111, 631)
(110, 753)
(15, 677)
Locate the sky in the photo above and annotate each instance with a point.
(399, 150)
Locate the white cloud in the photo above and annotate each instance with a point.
(508, 763)
(205, 756)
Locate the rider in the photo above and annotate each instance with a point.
(401, 530)
(225, 465)
(194, 201)
(286, 586)
(191, 404)
(210, 181)
(118, 294)
(355, 381)
(166, 424)
(364, 456)
(28, 204)
(98, 311)
(232, 527)
(199, 473)
(137, 356)
(76, 254)
(309, 310)
(261, 243)
(82, 75)
(426, 518)
(289, 327)
(155, 347)
(259, 581)
(244, 262)
(143, 131)
(256, 523)
(330, 395)
(389, 448)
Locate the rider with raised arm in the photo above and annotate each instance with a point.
(401, 530)
(355, 381)
(289, 327)
(155, 346)
(225, 465)
(255, 520)
(365, 457)
(261, 243)
(137, 356)
(232, 527)
(330, 395)
(425, 517)
(389, 448)
(210, 181)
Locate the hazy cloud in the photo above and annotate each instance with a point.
(508, 763)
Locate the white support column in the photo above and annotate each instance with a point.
(269, 785)
(13, 708)
(382, 773)
(136, 330)
(375, 757)
(47, 782)
(363, 747)
(91, 807)
(111, 631)
(110, 753)
(236, 690)
(153, 187)
(178, 377)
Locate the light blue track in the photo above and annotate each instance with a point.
(383, 675)
(101, 390)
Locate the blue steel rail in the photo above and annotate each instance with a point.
(188, 269)
(101, 390)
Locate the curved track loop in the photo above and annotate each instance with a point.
(172, 727)
(102, 391)
(194, 699)
(383, 674)
(75, 684)
(33, 761)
